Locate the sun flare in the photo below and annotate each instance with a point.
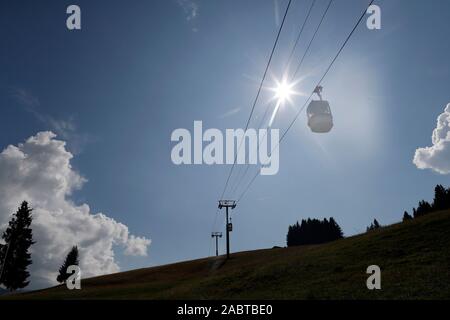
(284, 91)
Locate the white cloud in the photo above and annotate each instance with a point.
(136, 246)
(65, 129)
(190, 8)
(25, 97)
(40, 172)
(229, 113)
(437, 157)
(276, 12)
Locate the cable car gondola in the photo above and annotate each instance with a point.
(320, 119)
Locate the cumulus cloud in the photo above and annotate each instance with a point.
(40, 172)
(437, 156)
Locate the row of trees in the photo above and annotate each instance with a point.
(441, 201)
(316, 231)
(313, 231)
(15, 256)
(373, 226)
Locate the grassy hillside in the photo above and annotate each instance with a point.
(414, 258)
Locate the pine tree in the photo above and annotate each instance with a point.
(440, 201)
(423, 208)
(406, 216)
(71, 260)
(376, 225)
(14, 256)
(336, 232)
(373, 226)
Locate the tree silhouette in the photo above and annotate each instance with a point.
(422, 209)
(71, 259)
(14, 255)
(373, 226)
(376, 224)
(406, 216)
(441, 201)
(441, 198)
(313, 231)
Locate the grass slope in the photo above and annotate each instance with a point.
(414, 258)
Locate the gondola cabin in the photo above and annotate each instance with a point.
(320, 119)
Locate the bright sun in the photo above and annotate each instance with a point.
(283, 91)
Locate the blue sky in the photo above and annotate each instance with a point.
(139, 70)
